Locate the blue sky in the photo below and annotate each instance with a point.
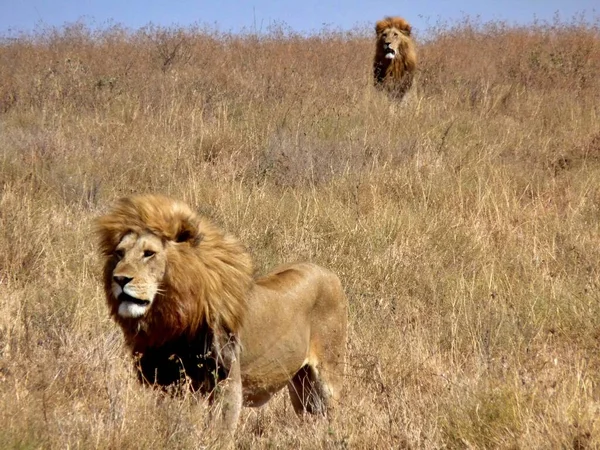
(299, 15)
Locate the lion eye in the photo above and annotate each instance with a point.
(149, 253)
(119, 253)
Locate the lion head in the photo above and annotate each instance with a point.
(169, 272)
(395, 57)
(393, 35)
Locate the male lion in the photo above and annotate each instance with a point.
(395, 57)
(192, 314)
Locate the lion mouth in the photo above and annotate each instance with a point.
(125, 298)
(390, 53)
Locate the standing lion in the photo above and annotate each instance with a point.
(395, 56)
(193, 315)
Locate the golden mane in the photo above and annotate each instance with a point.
(208, 276)
(394, 74)
(393, 22)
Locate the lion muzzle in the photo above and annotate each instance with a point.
(121, 281)
(390, 53)
(130, 307)
(126, 298)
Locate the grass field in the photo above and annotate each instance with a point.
(464, 224)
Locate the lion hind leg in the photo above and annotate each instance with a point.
(308, 392)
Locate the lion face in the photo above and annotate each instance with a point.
(169, 272)
(140, 265)
(391, 39)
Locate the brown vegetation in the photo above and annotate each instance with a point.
(464, 225)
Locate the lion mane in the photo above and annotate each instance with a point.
(193, 315)
(395, 59)
(208, 277)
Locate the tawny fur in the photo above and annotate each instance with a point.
(394, 75)
(210, 321)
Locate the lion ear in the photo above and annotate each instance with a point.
(188, 232)
(408, 29)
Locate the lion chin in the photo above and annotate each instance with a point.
(194, 317)
(132, 307)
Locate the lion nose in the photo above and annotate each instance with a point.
(122, 281)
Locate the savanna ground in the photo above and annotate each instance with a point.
(464, 224)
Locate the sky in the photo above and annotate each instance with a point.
(303, 16)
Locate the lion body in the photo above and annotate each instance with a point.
(395, 59)
(305, 345)
(193, 315)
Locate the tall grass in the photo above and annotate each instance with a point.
(464, 224)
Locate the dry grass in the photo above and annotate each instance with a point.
(464, 224)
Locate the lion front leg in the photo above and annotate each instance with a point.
(227, 395)
(228, 400)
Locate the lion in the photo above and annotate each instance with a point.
(395, 59)
(195, 318)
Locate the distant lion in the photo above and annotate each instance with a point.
(191, 312)
(395, 56)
